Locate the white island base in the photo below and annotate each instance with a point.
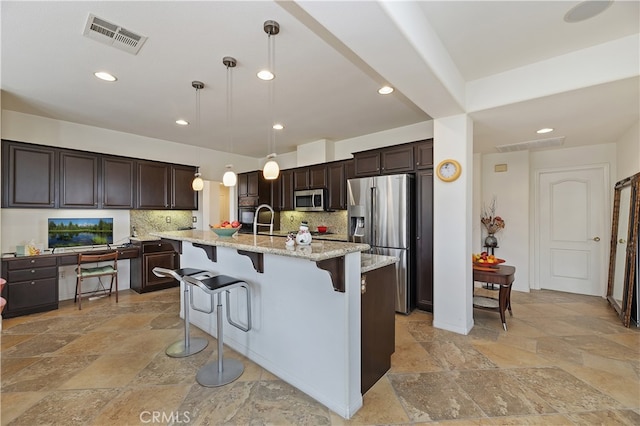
(304, 331)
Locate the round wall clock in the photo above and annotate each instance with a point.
(448, 170)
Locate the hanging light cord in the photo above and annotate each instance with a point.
(272, 97)
(229, 109)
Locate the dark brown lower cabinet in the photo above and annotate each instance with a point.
(377, 324)
(32, 285)
(424, 240)
(152, 254)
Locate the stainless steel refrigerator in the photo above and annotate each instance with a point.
(381, 214)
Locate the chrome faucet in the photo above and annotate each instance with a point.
(255, 219)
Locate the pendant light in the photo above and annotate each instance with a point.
(197, 183)
(229, 178)
(271, 169)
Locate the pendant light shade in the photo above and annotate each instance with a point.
(271, 169)
(229, 178)
(197, 183)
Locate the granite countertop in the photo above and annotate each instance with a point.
(316, 251)
(322, 237)
(142, 238)
(369, 262)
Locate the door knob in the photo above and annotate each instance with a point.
(596, 238)
(622, 241)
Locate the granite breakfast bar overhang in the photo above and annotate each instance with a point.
(305, 308)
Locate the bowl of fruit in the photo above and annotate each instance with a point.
(486, 260)
(226, 228)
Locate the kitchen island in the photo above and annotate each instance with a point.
(305, 308)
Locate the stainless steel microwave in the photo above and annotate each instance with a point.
(312, 200)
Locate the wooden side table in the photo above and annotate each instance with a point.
(503, 276)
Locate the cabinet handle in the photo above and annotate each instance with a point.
(33, 282)
(33, 271)
(33, 261)
(363, 284)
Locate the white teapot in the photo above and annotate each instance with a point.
(304, 236)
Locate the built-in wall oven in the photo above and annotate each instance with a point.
(246, 215)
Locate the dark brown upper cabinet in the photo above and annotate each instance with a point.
(153, 185)
(254, 189)
(78, 180)
(37, 176)
(165, 186)
(397, 159)
(249, 184)
(311, 177)
(118, 183)
(424, 154)
(367, 163)
(337, 184)
(286, 190)
(405, 158)
(301, 178)
(28, 175)
(183, 197)
(318, 176)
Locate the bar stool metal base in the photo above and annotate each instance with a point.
(179, 349)
(209, 376)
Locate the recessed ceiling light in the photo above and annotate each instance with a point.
(266, 75)
(385, 90)
(545, 130)
(278, 126)
(586, 10)
(105, 76)
(182, 122)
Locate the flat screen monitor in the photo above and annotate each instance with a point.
(76, 232)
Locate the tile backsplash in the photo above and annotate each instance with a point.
(146, 221)
(336, 222)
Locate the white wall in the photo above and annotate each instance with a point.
(511, 191)
(45, 131)
(414, 132)
(628, 153)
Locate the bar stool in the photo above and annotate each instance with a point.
(187, 346)
(226, 371)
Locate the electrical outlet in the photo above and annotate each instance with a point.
(194, 219)
(61, 274)
(168, 218)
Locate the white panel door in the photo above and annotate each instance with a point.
(571, 211)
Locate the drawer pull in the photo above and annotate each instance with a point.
(33, 282)
(33, 271)
(33, 261)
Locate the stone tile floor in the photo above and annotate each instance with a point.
(565, 360)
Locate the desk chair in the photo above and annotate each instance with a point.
(83, 273)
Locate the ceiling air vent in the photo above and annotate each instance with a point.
(114, 35)
(534, 144)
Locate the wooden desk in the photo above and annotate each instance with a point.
(32, 281)
(503, 276)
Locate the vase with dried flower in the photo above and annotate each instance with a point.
(492, 224)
